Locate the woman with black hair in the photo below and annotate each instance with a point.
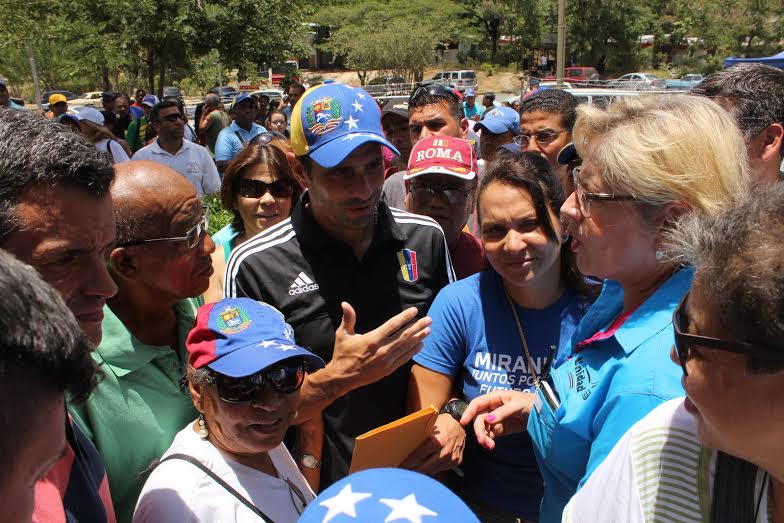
(503, 328)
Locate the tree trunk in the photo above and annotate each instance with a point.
(105, 79)
(150, 71)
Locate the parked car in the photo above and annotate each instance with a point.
(685, 83)
(387, 86)
(272, 94)
(461, 80)
(172, 91)
(639, 81)
(226, 93)
(577, 75)
(68, 96)
(91, 99)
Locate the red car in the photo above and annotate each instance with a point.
(578, 75)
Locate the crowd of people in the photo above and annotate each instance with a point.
(591, 297)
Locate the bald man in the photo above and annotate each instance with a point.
(162, 259)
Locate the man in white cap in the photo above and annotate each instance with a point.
(92, 125)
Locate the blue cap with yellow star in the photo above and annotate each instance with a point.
(387, 495)
(331, 120)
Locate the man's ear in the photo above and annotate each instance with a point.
(464, 128)
(772, 137)
(297, 169)
(124, 263)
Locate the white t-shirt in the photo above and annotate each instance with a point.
(657, 472)
(179, 491)
(118, 153)
(192, 161)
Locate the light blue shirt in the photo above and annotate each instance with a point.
(605, 388)
(228, 145)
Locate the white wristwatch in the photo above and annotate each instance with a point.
(310, 462)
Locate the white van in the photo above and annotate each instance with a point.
(461, 80)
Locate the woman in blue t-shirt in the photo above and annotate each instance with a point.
(476, 346)
(260, 190)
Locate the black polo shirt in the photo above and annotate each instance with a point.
(297, 267)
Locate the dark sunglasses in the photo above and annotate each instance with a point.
(436, 90)
(174, 117)
(425, 193)
(265, 138)
(257, 188)
(684, 341)
(285, 377)
(191, 238)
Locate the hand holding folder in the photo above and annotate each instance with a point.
(390, 444)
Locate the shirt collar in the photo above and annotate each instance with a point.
(253, 128)
(156, 148)
(311, 234)
(655, 314)
(123, 353)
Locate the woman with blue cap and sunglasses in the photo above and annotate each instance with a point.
(244, 375)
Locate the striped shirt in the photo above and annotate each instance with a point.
(658, 472)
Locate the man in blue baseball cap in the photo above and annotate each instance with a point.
(498, 126)
(470, 109)
(242, 130)
(343, 249)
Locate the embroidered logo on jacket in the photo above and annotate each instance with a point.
(408, 265)
(302, 284)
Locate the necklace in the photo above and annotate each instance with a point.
(550, 356)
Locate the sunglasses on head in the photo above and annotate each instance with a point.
(285, 377)
(265, 138)
(257, 188)
(684, 341)
(436, 90)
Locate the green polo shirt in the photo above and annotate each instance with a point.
(138, 406)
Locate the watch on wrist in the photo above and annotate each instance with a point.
(309, 461)
(455, 408)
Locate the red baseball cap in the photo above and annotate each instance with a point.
(442, 154)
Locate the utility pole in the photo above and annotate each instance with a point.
(561, 50)
(31, 58)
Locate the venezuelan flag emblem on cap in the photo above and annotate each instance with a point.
(331, 120)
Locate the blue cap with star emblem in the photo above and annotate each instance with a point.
(238, 337)
(499, 120)
(331, 120)
(387, 495)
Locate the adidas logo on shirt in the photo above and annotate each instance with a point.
(302, 284)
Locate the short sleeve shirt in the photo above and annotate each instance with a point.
(298, 268)
(605, 387)
(233, 138)
(475, 341)
(138, 406)
(192, 161)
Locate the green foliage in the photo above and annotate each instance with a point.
(219, 217)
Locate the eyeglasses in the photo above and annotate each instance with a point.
(684, 341)
(266, 138)
(257, 188)
(541, 137)
(174, 117)
(285, 377)
(584, 198)
(426, 193)
(436, 90)
(192, 236)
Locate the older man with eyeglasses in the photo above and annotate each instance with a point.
(161, 259)
(546, 121)
(191, 160)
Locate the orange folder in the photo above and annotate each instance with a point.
(390, 444)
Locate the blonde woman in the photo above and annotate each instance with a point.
(91, 123)
(646, 164)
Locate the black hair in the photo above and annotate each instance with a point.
(531, 173)
(43, 353)
(298, 86)
(434, 94)
(755, 93)
(490, 96)
(553, 101)
(35, 150)
(163, 104)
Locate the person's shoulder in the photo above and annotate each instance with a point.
(465, 291)
(146, 152)
(408, 220)
(281, 236)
